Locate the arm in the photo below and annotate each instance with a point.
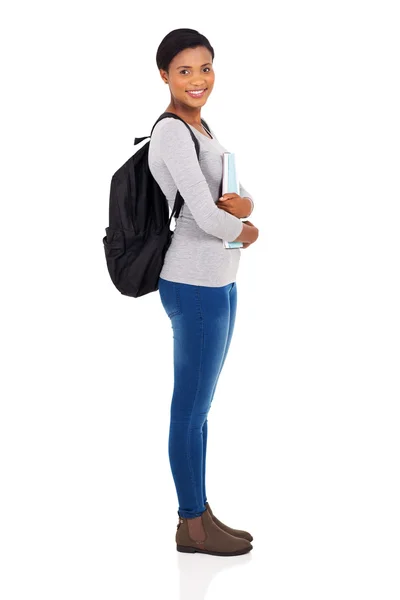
(242, 191)
(179, 155)
(245, 194)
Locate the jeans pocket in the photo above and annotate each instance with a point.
(170, 297)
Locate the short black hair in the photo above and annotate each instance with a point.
(176, 41)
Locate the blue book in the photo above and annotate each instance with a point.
(230, 183)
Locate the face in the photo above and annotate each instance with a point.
(191, 69)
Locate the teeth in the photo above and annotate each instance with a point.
(195, 93)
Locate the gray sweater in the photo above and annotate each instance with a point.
(196, 255)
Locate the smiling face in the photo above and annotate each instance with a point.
(191, 70)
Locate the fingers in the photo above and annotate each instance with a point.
(229, 195)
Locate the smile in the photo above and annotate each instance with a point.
(196, 94)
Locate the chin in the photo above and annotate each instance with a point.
(198, 102)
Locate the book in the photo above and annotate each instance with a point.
(230, 183)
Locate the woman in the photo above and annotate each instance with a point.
(197, 282)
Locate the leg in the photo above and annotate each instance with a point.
(200, 322)
(232, 318)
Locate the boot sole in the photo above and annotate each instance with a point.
(191, 550)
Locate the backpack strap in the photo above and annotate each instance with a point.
(178, 198)
(206, 126)
(170, 114)
(138, 140)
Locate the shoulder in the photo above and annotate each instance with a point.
(170, 128)
(172, 137)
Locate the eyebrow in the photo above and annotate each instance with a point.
(187, 66)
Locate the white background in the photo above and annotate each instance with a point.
(304, 429)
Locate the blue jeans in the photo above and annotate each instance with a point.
(202, 320)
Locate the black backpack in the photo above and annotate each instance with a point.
(139, 235)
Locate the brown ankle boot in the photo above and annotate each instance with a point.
(201, 534)
(235, 532)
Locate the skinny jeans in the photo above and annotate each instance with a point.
(202, 321)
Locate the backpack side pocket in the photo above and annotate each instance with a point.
(114, 243)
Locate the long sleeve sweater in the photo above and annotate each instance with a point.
(197, 254)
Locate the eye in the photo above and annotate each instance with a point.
(186, 69)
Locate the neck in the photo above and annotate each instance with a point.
(191, 116)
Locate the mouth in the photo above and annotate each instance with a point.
(195, 94)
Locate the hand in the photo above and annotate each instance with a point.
(234, 204)
(247, 244)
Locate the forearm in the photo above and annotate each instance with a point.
(249, 234)
(250, 209)
(245, 194)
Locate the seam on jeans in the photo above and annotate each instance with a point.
(177, 298)
(195, 399)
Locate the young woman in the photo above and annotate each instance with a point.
(197, 284)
